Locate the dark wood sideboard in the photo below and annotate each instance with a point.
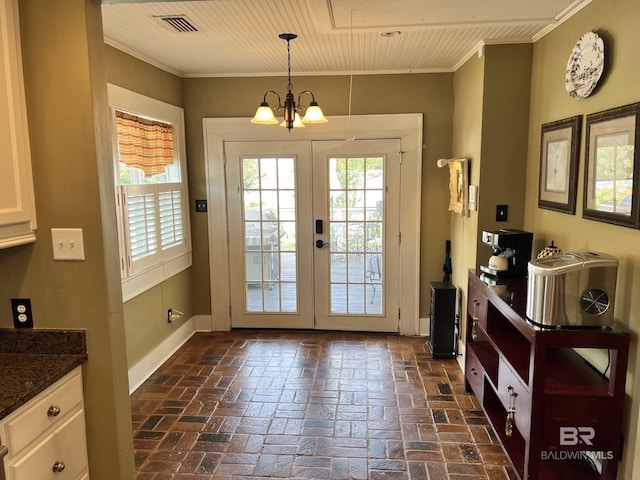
(557, 416)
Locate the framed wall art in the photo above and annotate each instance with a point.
(611, 186)
(459, 186)
(559, 150)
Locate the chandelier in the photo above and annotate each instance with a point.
(264, 115)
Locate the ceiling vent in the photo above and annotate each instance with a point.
(178, 23)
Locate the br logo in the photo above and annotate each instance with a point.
(576, 435)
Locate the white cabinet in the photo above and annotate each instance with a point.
(17, 208)
(46, 437)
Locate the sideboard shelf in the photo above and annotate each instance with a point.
(546, 403)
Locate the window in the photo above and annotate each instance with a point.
(151, 190)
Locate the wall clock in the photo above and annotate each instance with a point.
(585, 66)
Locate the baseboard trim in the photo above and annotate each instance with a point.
(143, 369)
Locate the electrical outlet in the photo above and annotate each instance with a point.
(22, 314)
(169, 316)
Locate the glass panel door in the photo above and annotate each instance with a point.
(356, 205)
(269, 270)
(356, 192)
(314, 242)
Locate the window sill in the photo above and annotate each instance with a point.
(140, 283)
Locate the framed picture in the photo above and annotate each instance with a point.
(459, 186)
(559, 149)
(610, 187)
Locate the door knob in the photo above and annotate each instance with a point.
(321, 244)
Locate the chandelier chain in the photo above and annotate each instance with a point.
(289, 85)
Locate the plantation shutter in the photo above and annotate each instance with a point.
(170, 204)
(142, 227)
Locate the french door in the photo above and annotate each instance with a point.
(314, 234)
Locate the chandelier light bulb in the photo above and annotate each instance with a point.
(265, 116)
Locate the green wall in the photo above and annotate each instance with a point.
(467, 143)
(490, 129)
(65, 86)
(617, 22)
(429, 94)
(145, 316)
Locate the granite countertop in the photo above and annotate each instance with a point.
(33, 359)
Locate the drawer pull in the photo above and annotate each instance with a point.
(508, 426)
(58, 467)
(474, 372)
(474, 333)
(511, 411)
(53, 411)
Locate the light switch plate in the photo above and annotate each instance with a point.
(502, 212)
(68, 243)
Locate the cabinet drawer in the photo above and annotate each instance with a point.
(513, 393)
(475, 374)
(66, 445)
(477, 305)
(47, 410)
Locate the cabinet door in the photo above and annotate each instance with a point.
(17, 212)
(61, 456)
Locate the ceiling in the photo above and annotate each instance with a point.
(240, 37)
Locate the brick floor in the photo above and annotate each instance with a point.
(311, 405)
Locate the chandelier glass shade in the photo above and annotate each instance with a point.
(291, 111)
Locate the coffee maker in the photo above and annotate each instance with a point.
(511, 252)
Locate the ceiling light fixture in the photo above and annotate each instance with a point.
(264, 115)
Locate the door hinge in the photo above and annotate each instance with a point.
(399, 238)
(401, 152)
(398, 314)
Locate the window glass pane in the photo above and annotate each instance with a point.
(268, 173)
(337, 173)
(289, 268)
(374, 173)
(338, 205)
(288, 236)
(356, 295)
(338, 268)
(355, 272)
(338, 298)
(289, 295)
(287, 205)
(270, 234)
(251, 173)
(356, 234)
(286, 178)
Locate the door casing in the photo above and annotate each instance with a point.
(406, 127)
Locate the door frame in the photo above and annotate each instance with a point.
(406, 127)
